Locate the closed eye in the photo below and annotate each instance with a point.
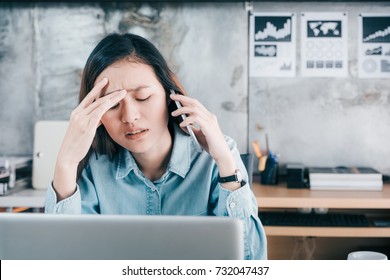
(143, 99)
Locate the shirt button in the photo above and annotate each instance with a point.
(232, 205)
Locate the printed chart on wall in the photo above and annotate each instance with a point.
(324, 45)
(374, 46)
(272, 45)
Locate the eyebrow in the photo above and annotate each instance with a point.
(128, 90)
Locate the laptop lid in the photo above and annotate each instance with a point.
(48, 137)
(115, 237)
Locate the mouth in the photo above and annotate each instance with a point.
(136, 134)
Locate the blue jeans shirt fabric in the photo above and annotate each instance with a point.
(188, 187)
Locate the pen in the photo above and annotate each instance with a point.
(262, 158)
(262, 163)
(256, 147)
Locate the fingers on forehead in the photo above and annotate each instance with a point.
(98, 87)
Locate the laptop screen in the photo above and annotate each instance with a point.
(115, 237)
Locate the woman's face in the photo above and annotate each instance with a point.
(139, 122)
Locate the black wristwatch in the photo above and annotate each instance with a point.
(236, 177)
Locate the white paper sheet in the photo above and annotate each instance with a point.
(374, 45)
(324, 44)
(272, 45)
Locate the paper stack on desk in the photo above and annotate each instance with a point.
(345, 178)
(15, 174)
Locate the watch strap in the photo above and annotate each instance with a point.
(231, 178)
(236, 177)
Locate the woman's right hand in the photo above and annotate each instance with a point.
(84, 120)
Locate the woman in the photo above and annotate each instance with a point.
(126, 150)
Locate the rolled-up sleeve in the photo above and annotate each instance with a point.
(241, 204)
(70, 205)
(73, 204)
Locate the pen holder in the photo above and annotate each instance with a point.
(271, 172)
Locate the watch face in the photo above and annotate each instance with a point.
(238, 176)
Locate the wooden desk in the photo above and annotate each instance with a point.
(30, 198)
(282, 197)
(295, 242)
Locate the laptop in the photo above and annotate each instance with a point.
(48, 137)
(31, 236)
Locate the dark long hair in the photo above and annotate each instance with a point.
(109, 50)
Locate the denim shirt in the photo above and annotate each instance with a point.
(188, 187)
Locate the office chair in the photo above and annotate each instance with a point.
(247, 159)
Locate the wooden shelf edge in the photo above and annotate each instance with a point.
(282, 197)
(328, 231)
(268, 202)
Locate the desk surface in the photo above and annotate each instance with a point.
(25, 198)
(276, 197)
(281, 197)
(266, 196)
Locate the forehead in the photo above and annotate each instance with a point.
(128, 73)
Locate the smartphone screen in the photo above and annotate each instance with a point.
(189, 128)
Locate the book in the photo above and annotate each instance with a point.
(363, 185)
(15, 174)
(344, 173)
(345, 178)
(20, 184)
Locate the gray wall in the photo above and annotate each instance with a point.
(317, 121)
(43, 49)
(324, 121)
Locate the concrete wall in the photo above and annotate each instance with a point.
(43, 48)
(316, 121)
(324, 121)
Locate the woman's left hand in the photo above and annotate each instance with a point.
(209, 133)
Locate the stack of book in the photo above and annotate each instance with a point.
(15, 174)
(345, 178)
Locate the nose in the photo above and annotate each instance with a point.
(129, 111)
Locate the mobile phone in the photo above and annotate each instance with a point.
(189, 128)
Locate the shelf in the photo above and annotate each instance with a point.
(281, 197)
(327, 231)
(25, 198)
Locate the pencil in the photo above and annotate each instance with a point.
(256, 147)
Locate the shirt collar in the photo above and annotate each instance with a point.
(181, 153)
(179, 162)
(126, 163)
